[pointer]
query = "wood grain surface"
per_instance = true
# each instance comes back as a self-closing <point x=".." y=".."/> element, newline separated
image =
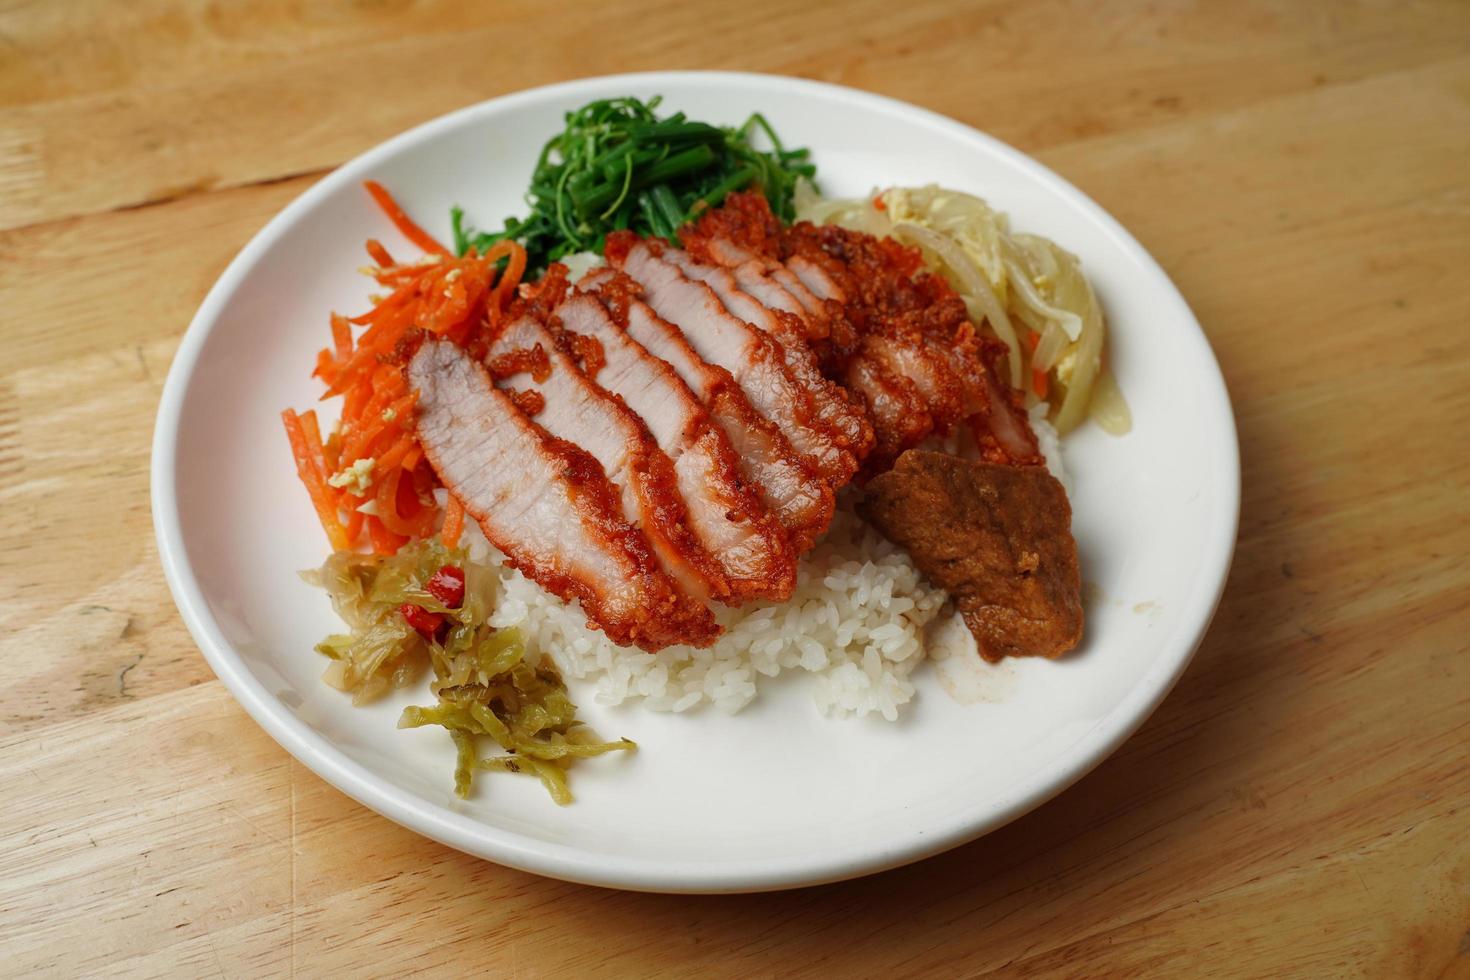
<point x="1298" y="806"/>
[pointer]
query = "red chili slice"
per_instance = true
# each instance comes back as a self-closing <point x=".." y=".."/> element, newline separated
<point x="447" y="585"/>
<point x="421" y="619"/>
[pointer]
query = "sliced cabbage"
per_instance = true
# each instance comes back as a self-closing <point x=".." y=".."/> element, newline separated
<point x="483" y="684"/>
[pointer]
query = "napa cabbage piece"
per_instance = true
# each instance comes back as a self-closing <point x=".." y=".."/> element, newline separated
<point x="1027" y="289"/>
<point x="485" y="687"/>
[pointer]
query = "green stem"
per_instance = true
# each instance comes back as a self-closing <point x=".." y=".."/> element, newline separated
<point x="716" y="195"/>
<point x="689" y="161"/>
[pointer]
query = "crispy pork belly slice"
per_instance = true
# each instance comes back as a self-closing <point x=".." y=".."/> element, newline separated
<point x="896" y="336"/>
<point x="1002" y="431"/>
<point x="901" y="417"/>
<point x="754" y="359"/>
<point x="747" y="293"/>
<point x="815" y="307"/>
<point x="751" y="278"/>
<point x="743" y="231"/>
<point x="725" y="512"/>
<point x="801" y="501"/>
<point x="763" y="304"/>
<point x="579" y="411"/>
<point x="723" y="251"/>
<point x="938" y="385"/>
<point x="545" y="503"/>
<point x="826" y="319"/>
<point x="816" y="278"/>
<point x="994" y="411"/>
<point x="928" y="369"/>
<point x="757" y="275"/>
<point x="751" y="268"/>
<point x="822" y="318"/>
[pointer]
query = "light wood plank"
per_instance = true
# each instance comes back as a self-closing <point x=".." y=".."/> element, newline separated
<point x="222" y="96"/>
<point x="1297" y="807"/>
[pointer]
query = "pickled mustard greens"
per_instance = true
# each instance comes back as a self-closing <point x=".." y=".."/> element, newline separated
<point x="1030" y="291"/>
<point x="618" y="165"/>
<point x="427" y="609"/>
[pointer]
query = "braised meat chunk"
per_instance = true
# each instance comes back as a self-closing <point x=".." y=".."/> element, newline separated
<point x="997" y="537"/>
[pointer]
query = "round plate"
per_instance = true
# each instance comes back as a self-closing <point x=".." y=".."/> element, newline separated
<point x="777" y="795"/>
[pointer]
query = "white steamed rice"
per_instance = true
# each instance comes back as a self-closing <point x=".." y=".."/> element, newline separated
<point x="856" y="623"/>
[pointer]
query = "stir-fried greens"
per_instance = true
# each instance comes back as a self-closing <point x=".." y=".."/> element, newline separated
<point x="428" y="607"/>
<point x="618" y="165"/>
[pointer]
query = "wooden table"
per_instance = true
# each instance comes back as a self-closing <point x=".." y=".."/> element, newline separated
<point x="1299" y="806"/>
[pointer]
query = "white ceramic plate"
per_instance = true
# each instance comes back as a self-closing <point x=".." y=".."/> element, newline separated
<point x="776" y="796"/>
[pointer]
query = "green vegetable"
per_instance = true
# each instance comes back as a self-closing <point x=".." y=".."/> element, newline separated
<point x="482" y="683"/>
<point x="618" y="165"/>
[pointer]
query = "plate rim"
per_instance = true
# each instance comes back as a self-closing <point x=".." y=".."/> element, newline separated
<point x="565" y="861"/>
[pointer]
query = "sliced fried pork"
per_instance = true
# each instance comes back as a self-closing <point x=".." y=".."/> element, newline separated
<point x="764" y="280"/>
<point x="725" y="512"/>
<point x="997" y="538"/>
<point x="815" y="278"/>
<point x="758" y="280"/>
<point x="901" y="417"/>
<point x="545" y="503"/>
<point x="921" y="395"/>
<point x="754" y="359"/>
<point x="718" y="250"/>
<point x="724" y="237"/>
<point x="744" y="233"/>
<point x="764" y="304"/>
<point x="817" y="311"/>
<point x="1001" y="430"/>
<point x="579" y="411"/>
<point x="748" y="279"/>
<point x="927" y="368"/>
<point x="801" y="501"/>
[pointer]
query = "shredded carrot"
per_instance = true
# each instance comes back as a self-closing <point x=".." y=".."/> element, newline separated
<point x="514" y="269"/>
<point x="379" y="254"/>
<point x="355" y="518"/>
<point x="316" y="485"/>
<point x="331" y="453"/>
<point x="385" y="542"/>
<point x="326" y="365"/>
<point x="395" y="456"/>
<point x="313" y="433"/>
<point x="405" y="224"/>
<point x="364" y="356"/>
<point x="1039" y="382"/>
<point x="377" y="420"/>
<point x="402" y="406"/>
<point x="389" y="377"/>
<point x="341" y="336"/>
<point x="372" y="424"/>
<point x="453" y="523"/>
<point x="392" y="314"/>
<point x="392" y="495"/>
